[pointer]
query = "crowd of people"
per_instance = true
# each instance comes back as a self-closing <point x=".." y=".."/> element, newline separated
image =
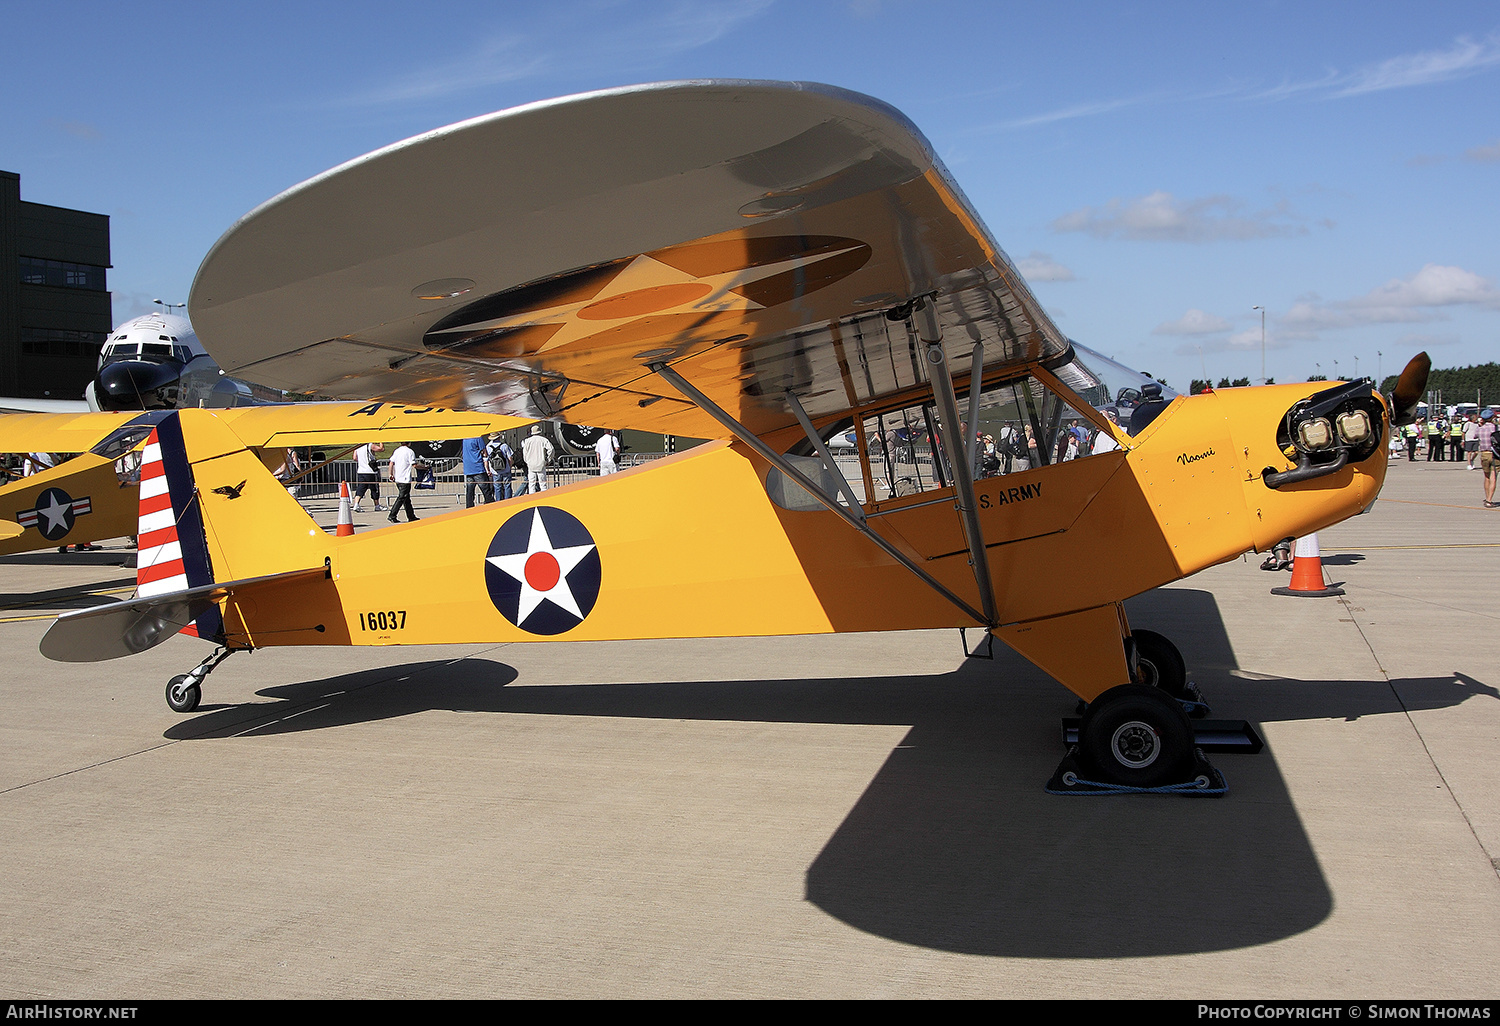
<point x="1017" y="447"/>
<point x="1469" y="437"/>
<point x="491" y="469"/>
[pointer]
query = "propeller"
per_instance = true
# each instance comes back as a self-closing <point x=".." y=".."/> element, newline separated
<point x="1410" y="388"/>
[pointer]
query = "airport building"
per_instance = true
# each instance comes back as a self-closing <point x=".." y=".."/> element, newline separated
<point x="54" y="303"/>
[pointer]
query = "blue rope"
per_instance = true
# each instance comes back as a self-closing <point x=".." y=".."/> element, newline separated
<point x="1188" y="787"/>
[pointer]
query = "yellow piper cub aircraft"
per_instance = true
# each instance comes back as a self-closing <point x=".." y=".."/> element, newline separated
<point x="95" y="495"/>
<point x="769" y="265"/>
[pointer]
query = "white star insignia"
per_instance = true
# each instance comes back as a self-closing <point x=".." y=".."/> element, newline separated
<point x="543" y="570"/>
<point x="56" y="514"/>
<point x="647" y="287"/>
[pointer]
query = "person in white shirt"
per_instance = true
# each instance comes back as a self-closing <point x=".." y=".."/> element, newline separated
<point x="538" y="453"/>
<point x="607" y="447"/>
<point x="366" y="476"/>
<point x="401" y="464"/>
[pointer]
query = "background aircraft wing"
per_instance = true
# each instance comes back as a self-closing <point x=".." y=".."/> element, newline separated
<point x="533" y="261"/>
<point x="14" y="404"/>
<point x="288" y="424"/>
<point x="59" y="432"/>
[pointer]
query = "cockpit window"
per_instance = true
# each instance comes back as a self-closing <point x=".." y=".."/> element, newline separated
<point x="1110" y="387"/>
<point x="155" y="349"/>
<point x="1024" y="425"/>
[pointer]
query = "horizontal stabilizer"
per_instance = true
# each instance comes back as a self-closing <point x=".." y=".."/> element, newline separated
<point x="135" y="625"/>
<point x="10" y="529"/>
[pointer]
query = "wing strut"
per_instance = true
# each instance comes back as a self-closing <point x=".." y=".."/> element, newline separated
<point x="960" y="456"/>
<point x="823" y="454"/>
<point x="853" y="519"/>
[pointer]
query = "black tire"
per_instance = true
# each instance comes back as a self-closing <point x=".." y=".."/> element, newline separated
<point x="183" y="699"/>
<point x="1160" y="663"/>
<point x="1137" y="736"/>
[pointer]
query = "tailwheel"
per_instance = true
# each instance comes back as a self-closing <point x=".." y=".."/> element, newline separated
<point x="185" y="690"/>
<point x="183" y="694"/>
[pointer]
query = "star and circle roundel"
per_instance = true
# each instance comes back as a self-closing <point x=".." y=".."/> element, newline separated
<point x="542" y="570"/>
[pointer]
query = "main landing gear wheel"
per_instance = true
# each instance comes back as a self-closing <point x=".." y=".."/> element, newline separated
<point x="183" y="696"/>
<point x="1160" y="665"/>
<point x="1137" y="736"/>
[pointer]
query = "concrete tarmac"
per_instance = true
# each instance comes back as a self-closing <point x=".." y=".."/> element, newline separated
<point x="854" y="816"/>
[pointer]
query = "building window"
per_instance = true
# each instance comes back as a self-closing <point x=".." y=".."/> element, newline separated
<point x="58" y="342"/>
<point x="36" y="271"/>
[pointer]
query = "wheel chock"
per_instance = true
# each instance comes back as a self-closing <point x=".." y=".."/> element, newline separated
<point x="1235" y="736"/>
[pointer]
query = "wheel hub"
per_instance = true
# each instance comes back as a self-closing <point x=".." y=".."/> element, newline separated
<point x="1135" y="744"/>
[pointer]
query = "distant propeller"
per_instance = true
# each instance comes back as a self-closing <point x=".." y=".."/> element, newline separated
<point x="1410" y="388"/>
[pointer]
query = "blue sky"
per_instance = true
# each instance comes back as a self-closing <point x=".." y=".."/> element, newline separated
<point x="1156" y="170"/>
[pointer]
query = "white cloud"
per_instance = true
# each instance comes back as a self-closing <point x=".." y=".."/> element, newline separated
<point x="1161" y="217"/>
<point x="1414" y="300"/>
<point x="1080" y="110"/>
<point x="80" y="130"/>
<point x="1247" y="341"/>
<point x="1041" y="267"/>
<point x="1194" y="322"/>
<point x="622" y="45"/>
<point x="1489" y="154"/>
<point x="1465" y="57"/>
<point x="1433" y="285"/>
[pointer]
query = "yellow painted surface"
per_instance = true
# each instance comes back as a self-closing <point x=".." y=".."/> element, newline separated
<point x="691" y="546"/>
<point x="113" y="505"/>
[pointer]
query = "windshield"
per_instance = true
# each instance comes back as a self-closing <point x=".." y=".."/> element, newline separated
<point x="1108" y="386"/>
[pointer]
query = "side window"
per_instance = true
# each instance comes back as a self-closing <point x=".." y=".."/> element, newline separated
<point x="904" y="452"/>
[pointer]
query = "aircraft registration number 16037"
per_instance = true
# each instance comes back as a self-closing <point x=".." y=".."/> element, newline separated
<point x="393" y="620"/>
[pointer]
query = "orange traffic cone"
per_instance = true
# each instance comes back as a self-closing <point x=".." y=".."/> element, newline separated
<point x="346" y="511"/>
<point x="1307" y="572"/>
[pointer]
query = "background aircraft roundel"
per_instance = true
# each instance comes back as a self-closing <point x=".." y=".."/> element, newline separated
<point x="650" y="296"/>
<point x="542" y="570"/>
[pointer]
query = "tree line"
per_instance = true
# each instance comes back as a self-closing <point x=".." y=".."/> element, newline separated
<point x="1480" y="383"/>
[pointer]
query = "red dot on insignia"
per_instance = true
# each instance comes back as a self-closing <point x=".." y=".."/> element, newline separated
<point x="542" y="571"/>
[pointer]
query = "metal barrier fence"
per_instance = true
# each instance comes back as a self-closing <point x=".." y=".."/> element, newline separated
<point x="322" y="482"/>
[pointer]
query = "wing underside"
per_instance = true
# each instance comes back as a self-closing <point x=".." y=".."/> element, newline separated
<point x="758" y="237"/>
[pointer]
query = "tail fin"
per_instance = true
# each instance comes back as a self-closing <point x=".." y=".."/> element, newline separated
<point x="172" y="548"/>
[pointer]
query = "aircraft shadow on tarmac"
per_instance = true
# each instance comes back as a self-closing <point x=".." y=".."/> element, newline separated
<point x="954" y="845"/>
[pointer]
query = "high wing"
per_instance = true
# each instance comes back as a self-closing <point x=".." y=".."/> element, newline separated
<point x="759" y="237"/>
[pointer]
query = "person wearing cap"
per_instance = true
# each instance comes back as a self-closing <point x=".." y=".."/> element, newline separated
<point x="1489" y="459"/>
<point x="537" y="452"/>
<point x="1435" y="439"/>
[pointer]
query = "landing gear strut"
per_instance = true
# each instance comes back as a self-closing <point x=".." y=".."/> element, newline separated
<point x="185" y="690"/>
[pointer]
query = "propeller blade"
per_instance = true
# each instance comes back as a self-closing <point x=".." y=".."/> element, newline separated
<point x="1410" y="388"/>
